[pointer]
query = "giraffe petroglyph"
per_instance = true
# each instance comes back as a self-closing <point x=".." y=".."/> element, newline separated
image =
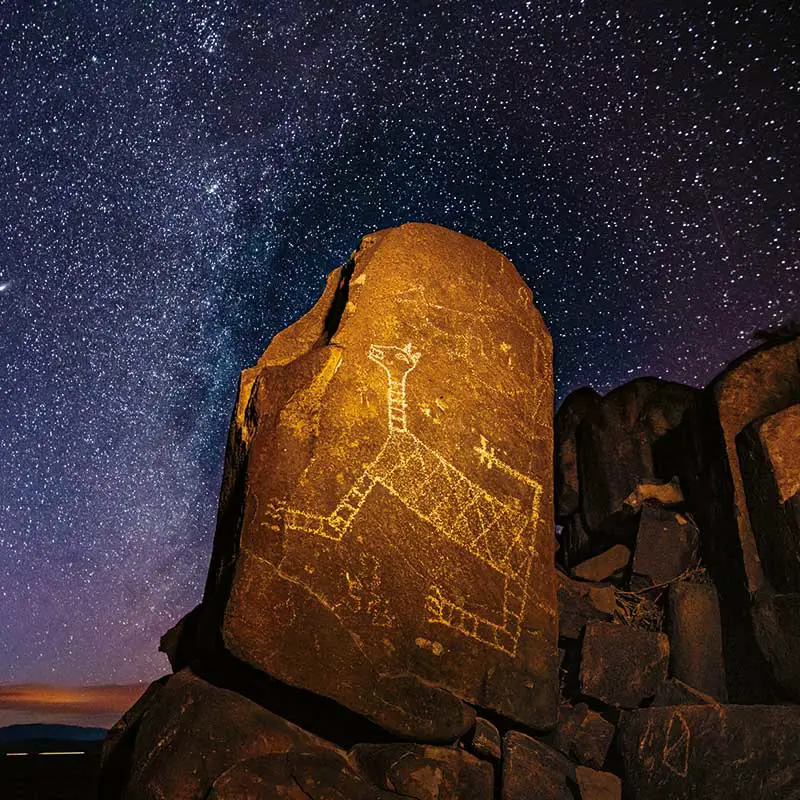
<point x="496" y="532"/>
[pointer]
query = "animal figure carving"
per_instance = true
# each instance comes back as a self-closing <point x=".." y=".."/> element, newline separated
<point x="494" y="531"/>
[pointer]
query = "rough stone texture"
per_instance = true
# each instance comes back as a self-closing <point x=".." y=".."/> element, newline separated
<point x="385" y="532"/>
<point x="485" y="740"/>
<point x="582" y="734"/>
<point x="667" y="544"/>
<point x="580" y="602"/>
<point x="594" y="785"/>
<point x="695" y="638"/>
<point x="674" y="692"/>
<point x="777" y="626"/>
<point x="605" y="566"/>
<point x="425" y="772"/>
<point x="184" y="733"/>
<point x="769" y="456"/>
<point x="615" y="445"/>
<point x="576" y="543"/>
<point x="620" y="665"/>
<point x="569" y="416"/>
<point x="711" y="752"/>
<point x="319" y="775"/>
<point x="532" y="769"/>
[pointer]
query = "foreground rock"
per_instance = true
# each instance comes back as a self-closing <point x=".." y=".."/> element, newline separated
<point x="582" y="734"/>
<point x="620" y="665"/>
<point x="530" y="766"/>
<point x="425" y="772"/>
<point x="184" y="733"/>
<point x="761" y="383"/>
<point x="391" y="546"/>
<point x="667" y="545"/>
<point x="711" y="752"/>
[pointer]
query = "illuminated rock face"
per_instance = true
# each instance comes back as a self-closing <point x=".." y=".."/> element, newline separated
<point x="386" y="534"/>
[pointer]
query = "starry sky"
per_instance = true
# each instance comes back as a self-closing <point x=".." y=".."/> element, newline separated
<point x="177" y="178"/>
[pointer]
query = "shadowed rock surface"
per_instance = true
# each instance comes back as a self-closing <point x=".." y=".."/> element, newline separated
<point x="711" y="752"/>
<point x="615" y="445"/>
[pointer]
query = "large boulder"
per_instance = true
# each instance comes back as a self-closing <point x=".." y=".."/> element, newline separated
<point x="183" y="733"/>
<point x="616" y="439"/>
<point x="713" y="752"/>
<point x="385" y="533"/>
<point x="769" y="456"/>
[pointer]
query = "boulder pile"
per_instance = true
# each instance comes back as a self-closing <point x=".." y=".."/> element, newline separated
<point x="423" y="586"/>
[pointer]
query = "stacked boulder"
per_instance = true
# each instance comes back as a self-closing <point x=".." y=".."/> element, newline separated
<point x="386" y="615"/>
<point x="679" y="524"/>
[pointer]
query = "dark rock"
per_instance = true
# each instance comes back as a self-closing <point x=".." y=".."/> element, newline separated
<point x="580" y="602"/>
<point x="119" y="744"/>
<point x="621" y="665"/>
<point x="761" y="383"/>
<point x="711" y="752"/>
<point x="695" y="638"/>
<point x="667" y="545"/>
<point x="674" y="692"/>
<point x="569" y="416"/>
<point x="777" y="626"/>
<point x="532" y="769"/>
<point x="180" y="643"/>
<point x="485" y="741"/>
<point x="425" y="772"/>
<point x="769" y="455"/>
<point x="615" y="446"/>
<point x="594" y="785"/>
<point x="610" y="564"/>
<point x="319" y="775"/>
<point x="393" y="544"/>
<point x="576" y="544"/>
<point x="582" y="734"/>
<point x="184" y="733"/>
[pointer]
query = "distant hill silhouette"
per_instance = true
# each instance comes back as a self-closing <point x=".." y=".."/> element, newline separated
<point x="41" y="731"/>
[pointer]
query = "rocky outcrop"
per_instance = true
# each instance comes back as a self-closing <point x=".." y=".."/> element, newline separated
<point x="384" y="616"/>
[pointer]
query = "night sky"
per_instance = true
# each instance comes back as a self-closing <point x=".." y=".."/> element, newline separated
<point x="176" y="179"/>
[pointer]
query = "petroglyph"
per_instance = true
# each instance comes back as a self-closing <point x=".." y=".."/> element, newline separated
<point x="676" y="745"/>
<point x="496" y="532"/>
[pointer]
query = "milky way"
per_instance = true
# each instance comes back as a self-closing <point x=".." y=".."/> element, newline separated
<point x="177" y="179"/>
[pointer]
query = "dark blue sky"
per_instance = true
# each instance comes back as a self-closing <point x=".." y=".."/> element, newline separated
<point x="178" y="177"/>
